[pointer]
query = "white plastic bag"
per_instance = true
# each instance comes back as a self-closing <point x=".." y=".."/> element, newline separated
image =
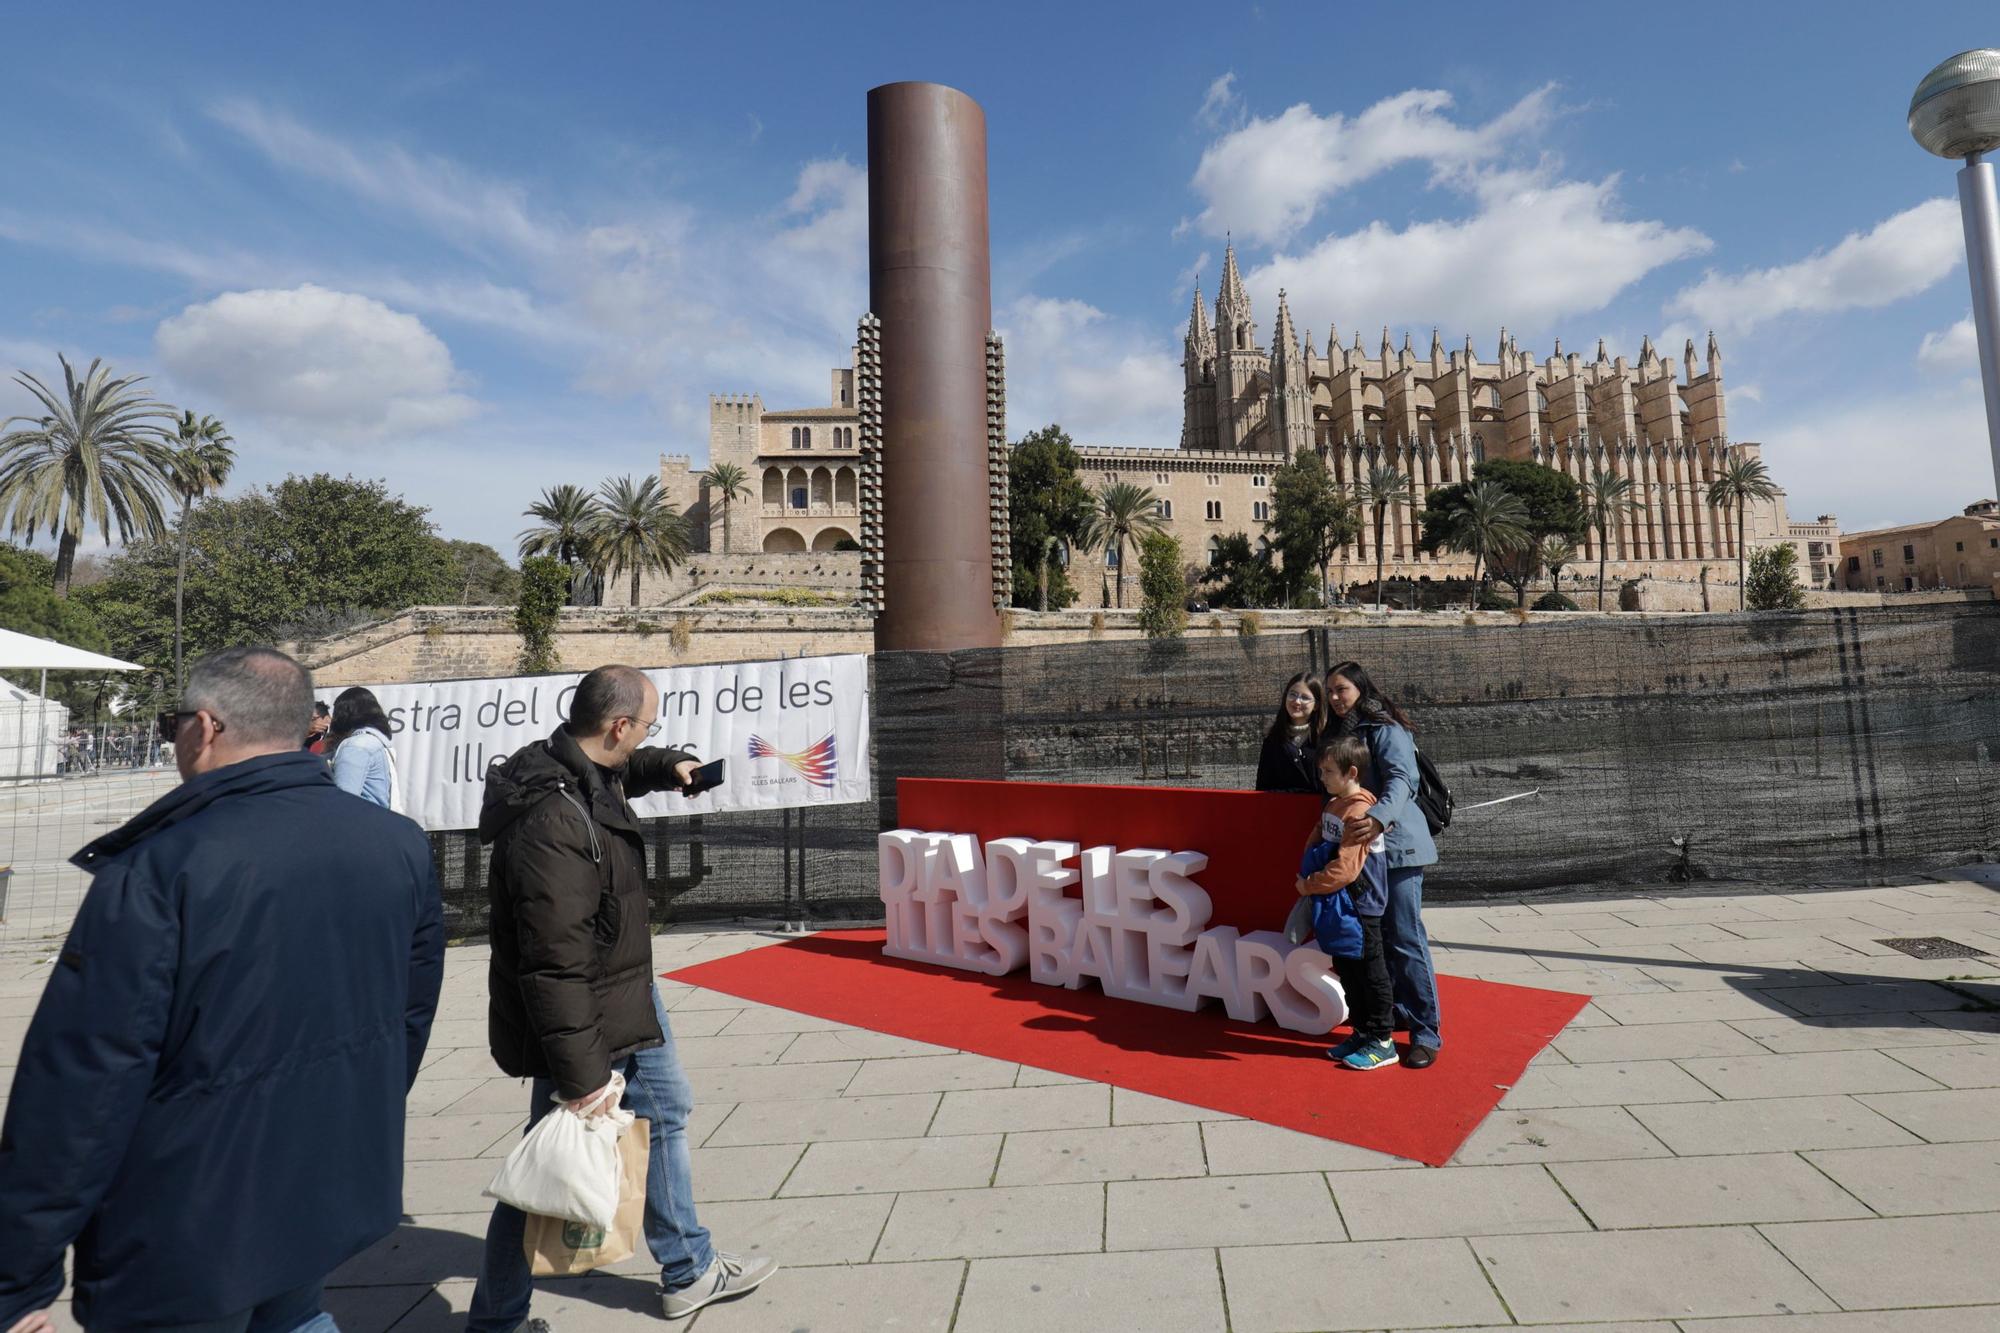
<point x="567" y="1165"/>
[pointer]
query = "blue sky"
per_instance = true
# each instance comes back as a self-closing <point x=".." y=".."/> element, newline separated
<point x="481" y="250"/>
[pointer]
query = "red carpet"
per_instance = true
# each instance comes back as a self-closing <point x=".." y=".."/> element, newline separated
<point x="1254" y="1070"/>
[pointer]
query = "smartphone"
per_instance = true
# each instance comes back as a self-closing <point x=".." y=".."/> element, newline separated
<point x="705" y="778"/>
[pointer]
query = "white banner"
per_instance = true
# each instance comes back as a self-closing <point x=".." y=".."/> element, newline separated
<point x="793" y="732"/>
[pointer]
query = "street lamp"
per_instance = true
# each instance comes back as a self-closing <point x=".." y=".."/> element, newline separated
<point x="1956" y="113"/>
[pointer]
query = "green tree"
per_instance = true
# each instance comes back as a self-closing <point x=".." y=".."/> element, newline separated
<point x="201" y="461"/>
<point x="1310" y="517"/>
<point x="563" y="517"/>
<point x="29" y="605"/>
<point x="1048" y="508"/>
<point x="1162" y="587"/>
<point x="730" y="482"/>
<point x="1607" y="502"/>
<point x="1240" y="576"/>
<point x="636" y="530"/>
<point x="1737" y="482"/>
<point x="97" y="456"/>
<point x="1549" y="505"/>
<point x="482" y="575"/>
<point x="1556" y="553"/>
<point x="1122" y="510"/>
<point x="1480" y="518"/>
<point x="544" y="588"/>
<point x="1773" y="580"/>
<point x="1383" y="489"/>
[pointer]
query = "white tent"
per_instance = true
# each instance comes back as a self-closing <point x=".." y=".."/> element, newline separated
<point x="32" y="725"/>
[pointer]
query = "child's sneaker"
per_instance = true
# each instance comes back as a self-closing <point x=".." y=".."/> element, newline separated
<point x="1347" y="1047"/>
<point x="1370" y="1055"/>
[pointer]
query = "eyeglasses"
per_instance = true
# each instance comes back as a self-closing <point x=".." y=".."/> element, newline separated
<point x="170" y="723"/>
<point x="1300" y="699"/>
<point x="652" y="728"/>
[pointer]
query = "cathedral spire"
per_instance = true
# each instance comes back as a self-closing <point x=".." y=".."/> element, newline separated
<point x="1232" y="293"/>
<point x="1232" y="308"/>
<point x="1284" y="338"/>
<point x="1198" y="318"/>
<point x="1714" y="356"/>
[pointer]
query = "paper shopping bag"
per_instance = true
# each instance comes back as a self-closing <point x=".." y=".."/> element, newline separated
<point x="558" y="1248"/>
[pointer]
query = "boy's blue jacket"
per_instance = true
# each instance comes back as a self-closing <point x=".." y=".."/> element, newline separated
<point x="1336" y="927"/>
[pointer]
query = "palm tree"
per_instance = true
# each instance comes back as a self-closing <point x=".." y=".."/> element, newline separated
<point x="732" y="483"/>
<point x="97" y="456"/>
<point x="1493" y="522"/>
<point x="1737" y="482"/>
<point x="1554" y="553"/>
<point x="1123" y="509"/>
<point x="1383" y="489"/>
<point x="201" y="462"/>
<point x="565" y="512"/>
<point x="1607" y="502"/>
<point x="635" y="530"/>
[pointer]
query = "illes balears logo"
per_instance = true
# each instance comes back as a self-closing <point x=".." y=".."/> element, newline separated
<point x="815" y="763"/>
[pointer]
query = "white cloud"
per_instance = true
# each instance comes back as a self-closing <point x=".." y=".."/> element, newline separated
<point x="1899" y="257"/>
<point x="1104" y="382"/>
<point x="1221" y="104"/>
<point x="1535" y="251"/>
<point x="324" y="362"/>
<point x="1952" y="351"/>
<point x="1267" y="178"/>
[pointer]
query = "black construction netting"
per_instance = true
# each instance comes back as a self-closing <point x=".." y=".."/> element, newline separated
<point x="1809" y="747"/>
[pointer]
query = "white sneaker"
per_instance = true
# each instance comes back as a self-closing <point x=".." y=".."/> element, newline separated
<point x="728" y="1276"/>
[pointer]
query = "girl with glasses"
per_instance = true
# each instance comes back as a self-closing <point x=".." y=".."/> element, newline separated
<point x="1287" y="763"/>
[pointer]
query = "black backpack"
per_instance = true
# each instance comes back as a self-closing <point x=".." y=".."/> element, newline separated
<point x="1433" y="797"/>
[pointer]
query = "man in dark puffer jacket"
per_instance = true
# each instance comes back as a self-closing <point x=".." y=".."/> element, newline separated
<point x="571" y="980"/>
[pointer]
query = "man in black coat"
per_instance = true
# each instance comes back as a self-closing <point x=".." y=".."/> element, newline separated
<point x="209" y="1104"/>
<point x="571" y="995"/>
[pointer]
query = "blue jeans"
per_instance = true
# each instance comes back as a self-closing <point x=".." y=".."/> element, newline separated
<point x="1409" y="954"/>
<point x="656" y="1089"/>
<point x="296" y="1311"/>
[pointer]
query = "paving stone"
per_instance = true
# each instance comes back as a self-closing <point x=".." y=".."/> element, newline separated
<point x="826" y="1118"/>
<point x="1729" y="976"/>
<point x="430" y="1096"/>
<point x="1704" y="1191"/>
<point x="978" y="1223"/>
<point x="426" y="1248"/>
<point x="1692" y="1006"/>
<point x="492" y="1096"/>
<point x="1611" y="938"/>
<point x="1005" y="1110"/>
<point x="1605" y="1083"/>
<point x="768" y="1083"/>
<point x="1961" y="1319"/>
<point x="1623" y="1326"/>
<point x="374" y="1309"/>
<point x="434" y="1137"/>
<point x="1141" y="1108"/>
<point x="709" y="1052"/>
<point x="1806" y="1074"/>
<point x="931" y="1073"/>
<point x="799" y="1231"/>
<point x="913" y="1298"/>
<point x="1030" y="1077"/>
<point x="1943" y="1117"/>
<point x="1585" y="920"/>
<point x="1872" y="996"/>
<point x="1898" y="1261"/>
<point x="886" y="1166"/>
<point x="853" y="1044"/>
<point x="1220" y="1210"/>
<point x="1398" y="1284"/>
<point x="1462" y="1201"/>
<point x="697" y="997"/>
<point x="1127" y="1152"/>
<point x="1560" y="1134"/>
<point x="1933" y="1178"/>
<point x="466" y="1062"/>
<point x="1961" y="1065"/>
<point x="449" y="1185"/>
<point x="1654" y="1041"/>
<point x="1668" y="1274"/>
<point x="743" y="1173"/>
<point x="1847" y="1032"/>
<point x="763" y="1018"/>
<point x="1250" y="1147"/>
<point x="698" y="1022"/>
<point x="1163" y="1292"/>
<point x="1776" y="1124"/>
<point x="594" y="1303"/>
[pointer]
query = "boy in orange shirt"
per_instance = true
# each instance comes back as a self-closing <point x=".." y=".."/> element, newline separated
<point x="1347" y="877"/>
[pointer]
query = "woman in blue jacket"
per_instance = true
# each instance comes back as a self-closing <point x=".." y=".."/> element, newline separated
<point x="362" y="761"/>
<point x="1358" y="707"/>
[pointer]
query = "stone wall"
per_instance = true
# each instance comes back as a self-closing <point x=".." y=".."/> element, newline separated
<point x="836" y="573"/>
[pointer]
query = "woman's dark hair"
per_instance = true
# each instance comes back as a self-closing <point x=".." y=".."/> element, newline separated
<point x="1316" y="724"/>
<point x="1373" y="705"/>
<point x="354" y="708"/>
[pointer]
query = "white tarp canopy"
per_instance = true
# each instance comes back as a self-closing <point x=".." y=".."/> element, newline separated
<point x="25" y="652"/>
<point x="31" y="733"/>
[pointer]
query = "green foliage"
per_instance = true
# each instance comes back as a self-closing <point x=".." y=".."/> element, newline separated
<point x="562" y="529"/>
<point x="544" y="586"/>
<point x="1554" y="601"/>
<point x="636" y="529"/>
<point x="1241" y="577"/>
<point x="482" y="575"/>
<point x="1490" y="600"/>
<point x="1311" y="518"/>
<point x="1123" y="511"/>
<point x="729" y="483"/>
<point x="1162" y="587"/>
<point x="1048" y="506"/>
<point x="29" y="605"/>
<point x="1773" y="581"/>
<point x="1481" y="518"/>
<point x="1738" y="481"/>
<point x="771" y="597"/>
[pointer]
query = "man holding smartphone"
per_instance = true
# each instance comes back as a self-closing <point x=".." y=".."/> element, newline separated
<point x="571" y="988"/>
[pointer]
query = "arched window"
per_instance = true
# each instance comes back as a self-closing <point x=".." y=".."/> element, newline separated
<point x="798" y="497"/>
<point x="805" y="437"/>
<point x="1163" y="508"/>
<point x="1215" y="550"/>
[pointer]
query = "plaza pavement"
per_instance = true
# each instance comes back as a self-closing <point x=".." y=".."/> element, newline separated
<point x="1764" y="1122"/>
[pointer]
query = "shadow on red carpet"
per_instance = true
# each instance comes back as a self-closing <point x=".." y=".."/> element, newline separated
<point x="1255" y="1070"/>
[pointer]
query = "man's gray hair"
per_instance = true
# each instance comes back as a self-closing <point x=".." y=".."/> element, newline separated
<point x="262" y="696"/>
<point x="604" y="696"/>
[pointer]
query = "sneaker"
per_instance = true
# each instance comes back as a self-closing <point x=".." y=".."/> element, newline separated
<point x="1345" y="1048"/>
<point x="728" y="1276"/>
<point x="1371" y="1055"/>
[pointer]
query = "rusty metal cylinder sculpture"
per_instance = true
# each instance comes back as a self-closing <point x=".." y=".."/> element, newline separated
<point x="930" y="284"/>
